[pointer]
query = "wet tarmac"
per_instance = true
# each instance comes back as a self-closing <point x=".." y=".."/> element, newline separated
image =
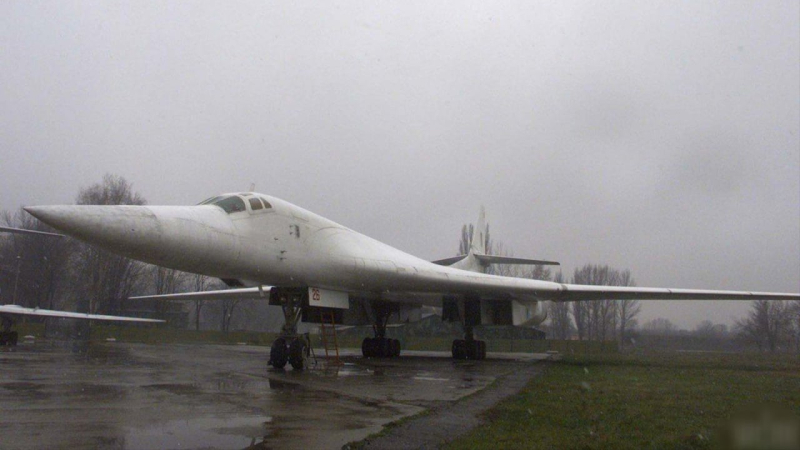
<point x="134" y="396"/>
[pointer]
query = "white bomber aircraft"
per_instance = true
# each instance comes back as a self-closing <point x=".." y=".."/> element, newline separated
<point x="268" y="248"/>
<point x="10" y="313"/>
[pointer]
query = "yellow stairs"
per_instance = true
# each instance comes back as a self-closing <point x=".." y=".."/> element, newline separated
<point x="327" y="331"/>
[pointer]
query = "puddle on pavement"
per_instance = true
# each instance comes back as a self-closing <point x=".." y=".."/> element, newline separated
<point x="209" y="397"/>
<point x="174" y="388"/>
<point x="205" y="432"/>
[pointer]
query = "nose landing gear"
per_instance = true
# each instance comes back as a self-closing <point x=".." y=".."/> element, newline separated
<point x="290" y="347"/>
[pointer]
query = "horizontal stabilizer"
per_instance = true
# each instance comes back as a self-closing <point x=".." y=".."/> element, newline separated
<point x="224" y="294"/>
<point x="449" y="261"/>
<point x="485" y="260"/>
<point x="494" y="259"/>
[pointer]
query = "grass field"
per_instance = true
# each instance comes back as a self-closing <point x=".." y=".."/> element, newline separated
<point x="658" y="401"/>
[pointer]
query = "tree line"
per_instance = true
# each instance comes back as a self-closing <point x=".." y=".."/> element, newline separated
<point x="770" y="325"/>
<point x="596" y="320"/>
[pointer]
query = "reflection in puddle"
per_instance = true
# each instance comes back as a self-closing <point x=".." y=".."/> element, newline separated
<point x="348" y="370"/>
<point x="280" y="385"/>
<point x="206" y="432"/>
<point x="430" y="379"/>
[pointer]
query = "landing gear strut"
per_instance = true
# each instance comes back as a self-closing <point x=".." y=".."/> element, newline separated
<point x="290" y="347"/>
<point x="380" y="346"/>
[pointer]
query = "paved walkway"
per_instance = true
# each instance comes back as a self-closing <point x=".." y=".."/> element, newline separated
<point x="450" y="420"/>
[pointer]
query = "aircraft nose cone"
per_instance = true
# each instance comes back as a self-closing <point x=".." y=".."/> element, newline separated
<point x="116" y="228"/>
<point x="56" y="216"/>
<point x="181" y="237"/>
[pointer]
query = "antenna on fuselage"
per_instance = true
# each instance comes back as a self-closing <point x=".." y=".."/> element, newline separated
<point x="252" y="187"/>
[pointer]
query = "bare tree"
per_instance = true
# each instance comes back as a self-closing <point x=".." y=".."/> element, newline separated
<point x="199" y="283"/>
<point x="603" y="319"/>
<point x="559" y="315"/>
<point x="39" y="265"/>
<point x="767" y="325"/>
<point x="599" y="314"/>
<point x="467" y="230"/>
<point x="166" y="281"/>
<point x="580" y="315"/>
<point x="627" y="310"/>
<point x="228" y="306"/>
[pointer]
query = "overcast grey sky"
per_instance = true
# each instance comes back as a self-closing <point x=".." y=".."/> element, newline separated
<point x="662" y="137"/>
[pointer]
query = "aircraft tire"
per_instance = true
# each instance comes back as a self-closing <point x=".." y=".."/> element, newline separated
<point x="385" y="348"/>
<point x="8" y="338"/>
<point x="366" y="348"/>
<point x="475" y="350"/>
<point x="278" y="354"/>
<point x="472" y="350"/>
<point x="459" y="349"/>
<point x="298" y="354"/>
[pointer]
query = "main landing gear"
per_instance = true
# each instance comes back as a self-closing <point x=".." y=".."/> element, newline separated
<point x="469" y="347"/>
<point x="468" y="312"/>
<point x="290" y="347"/>
<point x="380" y="346"/>
<point x="8" y="337"/>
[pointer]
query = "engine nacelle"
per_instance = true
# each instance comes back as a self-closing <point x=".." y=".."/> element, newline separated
<point x="530" y="314"/>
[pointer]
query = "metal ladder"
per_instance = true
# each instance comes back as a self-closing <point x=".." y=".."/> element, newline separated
<point x="327" y="330"/>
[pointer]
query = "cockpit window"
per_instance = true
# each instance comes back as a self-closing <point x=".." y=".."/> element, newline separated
<point x="255" y="203"/>
<point x="266" y="204"/>
<point x="230" y="204"/>
<point x="208" y="200"/>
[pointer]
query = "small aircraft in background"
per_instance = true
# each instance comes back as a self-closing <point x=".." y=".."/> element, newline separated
<point x="312" y="267"/>
<point x="9" y="314"/>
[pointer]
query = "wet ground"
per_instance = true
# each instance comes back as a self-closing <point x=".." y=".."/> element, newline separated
<point x="133" y="396"/>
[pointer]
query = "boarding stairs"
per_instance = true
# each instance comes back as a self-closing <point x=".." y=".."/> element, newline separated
<point x="327" y="331"/>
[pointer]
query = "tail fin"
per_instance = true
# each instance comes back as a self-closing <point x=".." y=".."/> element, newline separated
<point x="476" y="259"/>
<point x="477" y="246"/>
<point x="479" y="235"/>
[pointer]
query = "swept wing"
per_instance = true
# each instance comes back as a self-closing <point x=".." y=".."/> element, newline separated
<point x="223" y="294"/>
<point x="16" y="310"/>
<point x="29" y="232"/>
